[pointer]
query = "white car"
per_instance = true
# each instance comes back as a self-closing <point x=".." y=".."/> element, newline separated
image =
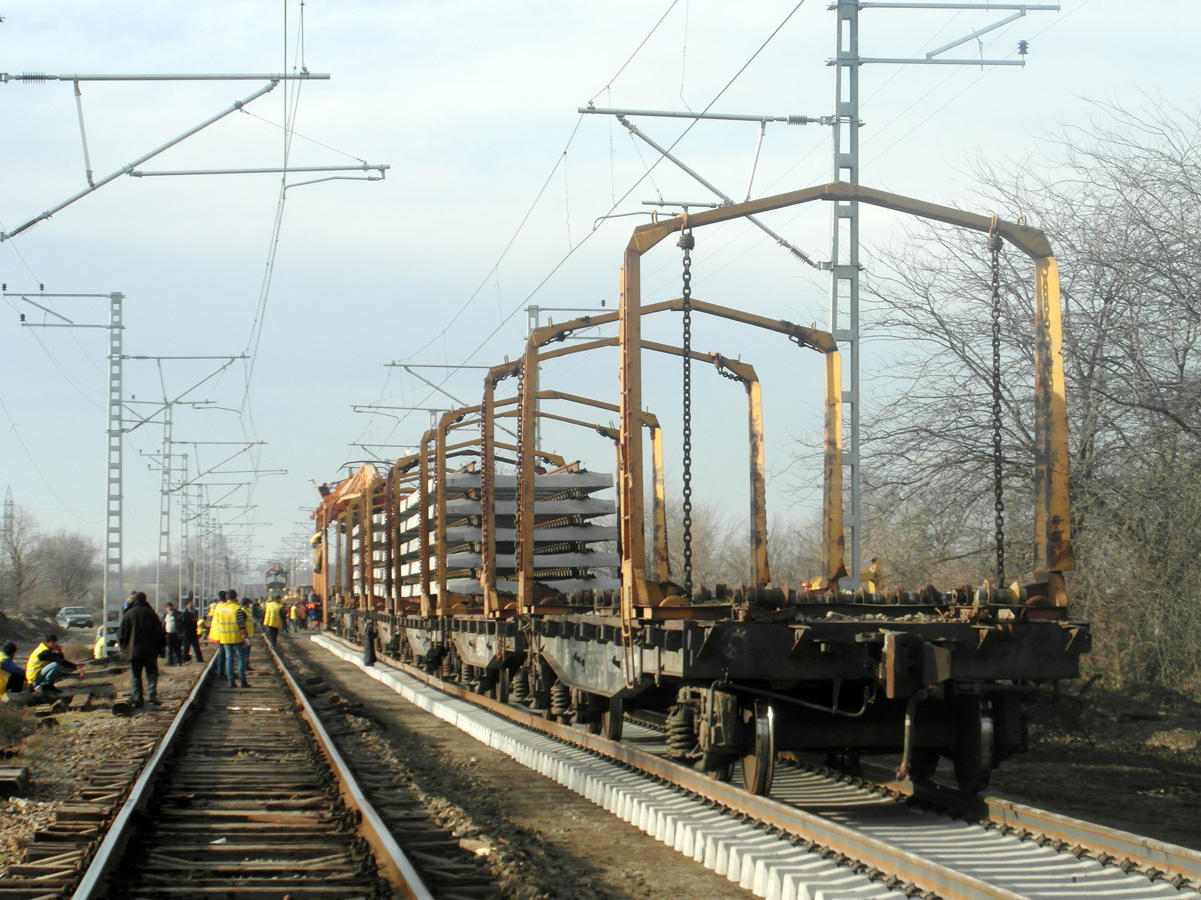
<point x="74" y="617"/>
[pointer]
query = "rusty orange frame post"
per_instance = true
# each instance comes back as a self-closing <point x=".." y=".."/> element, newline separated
<point x="631" y="521"/>
<point x="1052" y="539"/>
<point x="457" y="418"/>
<point x="451" y="419"/>
<point x="742" y="372"/>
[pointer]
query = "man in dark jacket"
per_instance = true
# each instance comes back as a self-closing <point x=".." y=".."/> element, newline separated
<point x="142" y="639"/>
<point x="191" y="641"/>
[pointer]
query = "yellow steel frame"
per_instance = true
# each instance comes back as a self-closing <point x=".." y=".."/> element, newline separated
<point x="1052" y="540"/>
<point x="744" y="372"/>
<point x="457" y="418"/>
<point x="633" y="547"/>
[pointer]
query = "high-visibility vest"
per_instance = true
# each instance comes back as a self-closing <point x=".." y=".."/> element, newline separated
<point x="249" y="621"/>
<point x="34" y="666"/>
<point x="273" y="614"/>
<point x="293" y="611"/>
<point x="225" y="624"/>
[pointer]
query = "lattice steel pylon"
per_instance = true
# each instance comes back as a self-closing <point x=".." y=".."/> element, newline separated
<point x="116" y="495"/>
<point x="164" y="509"/>
<point x="844" y="254"/>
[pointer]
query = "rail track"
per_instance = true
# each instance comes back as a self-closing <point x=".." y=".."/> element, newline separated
<point x="245" y="797"/>
<point x="245" y="793"/>
<point x="786" y="844"/>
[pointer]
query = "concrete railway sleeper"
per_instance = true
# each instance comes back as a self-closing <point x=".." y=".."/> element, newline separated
<point x="771" y="844"/>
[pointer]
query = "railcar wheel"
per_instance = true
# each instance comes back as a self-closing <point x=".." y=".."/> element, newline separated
<point x="973" y="757"/>
<point x="611" y="719"/>
<point x="759" y="761"/>
<point x="500" y="688"/>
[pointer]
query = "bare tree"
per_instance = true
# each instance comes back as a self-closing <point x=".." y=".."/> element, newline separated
<point x="18" y="558"/>
<point x="720" y="545"/>
<point x="68" y="563"/>
<point x="1120" y="199"/>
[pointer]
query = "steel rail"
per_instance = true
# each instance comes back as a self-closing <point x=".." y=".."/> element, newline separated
<point x="394" y="866"/>
<point x="392" y="860"/>
<point x="925" y="874"/>
<point x="109" y="851"/>
<point x="1152" y="857"/>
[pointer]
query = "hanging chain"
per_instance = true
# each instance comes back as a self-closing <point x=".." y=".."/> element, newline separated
<point x="517" y="517"/>
<point x="994" y="246"/>
<point x="687" y="242"/>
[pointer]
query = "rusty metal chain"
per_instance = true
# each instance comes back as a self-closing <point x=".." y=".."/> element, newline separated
<point x="517" y="516"/>
<point x="687" y="242"/>
<point x="994" y="246"/>
<point x="726" y="373"/>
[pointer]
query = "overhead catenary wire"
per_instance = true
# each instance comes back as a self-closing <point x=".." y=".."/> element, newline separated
<point x="636" y="50"/>
<point x="559" y="160"/>
<point x="559" y="264"/>
<point x="41" y="475"/>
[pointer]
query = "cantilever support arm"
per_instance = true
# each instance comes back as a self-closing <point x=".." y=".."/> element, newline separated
<point x="124" y="170"/>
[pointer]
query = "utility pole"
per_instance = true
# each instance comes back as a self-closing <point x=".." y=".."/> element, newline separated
<point x="114" y="432"/>
<point x="844" y="247"/>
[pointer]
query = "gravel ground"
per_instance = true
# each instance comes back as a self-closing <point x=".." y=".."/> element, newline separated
<point x="1129" y="759"/>
<point x="59" y="756"/>
<point x="541" y="840"/>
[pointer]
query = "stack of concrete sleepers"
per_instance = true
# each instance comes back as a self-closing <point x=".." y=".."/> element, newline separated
<point x="574" y="545"/>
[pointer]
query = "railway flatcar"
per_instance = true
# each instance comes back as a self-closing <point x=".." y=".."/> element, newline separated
<point x="519" y="585"/>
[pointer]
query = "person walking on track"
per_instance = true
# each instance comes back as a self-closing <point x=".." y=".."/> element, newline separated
<point x="190" y="632"/>
<point x="229" y="629"/>
<point x="142" y="639"/>
<point x="273" y="619"/>
<point x="249" y="623"/>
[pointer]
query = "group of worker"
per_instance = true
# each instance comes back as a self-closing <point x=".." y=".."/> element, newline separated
<point x="45" y="666"/>
<point x="143" y="637"/>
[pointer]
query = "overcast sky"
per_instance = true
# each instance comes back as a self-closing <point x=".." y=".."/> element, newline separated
<point x="493" y="201"/>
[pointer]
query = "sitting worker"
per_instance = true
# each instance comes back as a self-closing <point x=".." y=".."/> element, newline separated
<point x="12" y="676"/>
<point x="47" y="665"/>
<point x="99" y="651"/>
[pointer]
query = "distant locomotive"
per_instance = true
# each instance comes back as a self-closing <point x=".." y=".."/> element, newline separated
<point x="511" y="583"/>
<point x="276" y="580"/>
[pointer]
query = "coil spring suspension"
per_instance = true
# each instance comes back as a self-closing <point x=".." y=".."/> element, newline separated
<point x="560" y="699"/>
<point x="449" y="669"/>
<point x="681" y="730"/>
<point x="519" y="690"/>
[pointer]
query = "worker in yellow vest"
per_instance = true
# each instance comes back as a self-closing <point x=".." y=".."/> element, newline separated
<point x="208" y="626"/>
<point x="273" y="619"/>
<point x="229" y="630"/>
<point x="12" y="676"/>
<point x="46" y="665"/>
